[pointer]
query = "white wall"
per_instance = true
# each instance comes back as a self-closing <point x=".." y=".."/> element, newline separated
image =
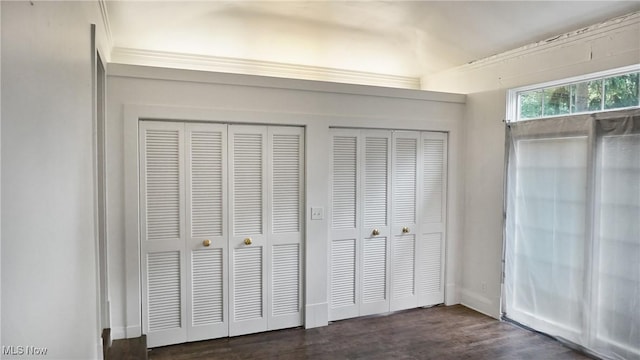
<point x="604" y="46"/>
<point x="48" y="246"/>
<point x="143" y="92"/>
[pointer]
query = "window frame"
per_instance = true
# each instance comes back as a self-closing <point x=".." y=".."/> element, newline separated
<point x="512" y="110"/>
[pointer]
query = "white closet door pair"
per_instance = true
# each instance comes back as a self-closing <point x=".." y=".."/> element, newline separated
<point x="200" y="280"/>
<point x="266" y="202"/>
<point x="387" y="221"/>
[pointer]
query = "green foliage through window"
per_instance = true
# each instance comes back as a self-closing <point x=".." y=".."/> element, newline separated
<point x="610" y="93"/>
<point x="621" y="91"/>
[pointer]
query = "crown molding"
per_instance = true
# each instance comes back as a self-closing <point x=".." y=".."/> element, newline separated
<point x="256" y="67"/>
<point x="102" y="4"/>
<point x="563" y="40"/>
<point x="209" y="77"/>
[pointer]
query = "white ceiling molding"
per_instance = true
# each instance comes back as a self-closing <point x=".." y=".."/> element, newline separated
<point x="105" y="19"/>
<point x="209" y="77"/>
<point x="589" y="32"/>
<point x="255" y="67"/>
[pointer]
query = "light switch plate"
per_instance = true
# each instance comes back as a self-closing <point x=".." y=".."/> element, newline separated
<point x="317" y="213"/>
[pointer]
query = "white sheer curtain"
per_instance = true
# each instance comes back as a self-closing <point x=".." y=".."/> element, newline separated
<point x="572" y="246"/>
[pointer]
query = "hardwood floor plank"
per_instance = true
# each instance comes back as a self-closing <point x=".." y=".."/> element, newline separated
<point x="442" y="333"/>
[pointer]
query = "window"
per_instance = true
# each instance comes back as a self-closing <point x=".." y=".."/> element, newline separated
<point x="572" y="245"/>
<point x="611" y="90"/>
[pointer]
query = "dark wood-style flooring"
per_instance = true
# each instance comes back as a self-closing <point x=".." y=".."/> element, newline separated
<point x="453" y="332"/>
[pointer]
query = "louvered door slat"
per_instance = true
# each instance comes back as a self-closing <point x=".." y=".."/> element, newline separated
<point x="376" y="174"/>
<point x="403" y="267"/>
<point x="433" y="180"/>
<point x="248" y="183"/>
<point x="206" y="183"/>
<point x="430" y="276"/>
<point x="374" y="283"/>
<point x="208" y="296"/>
<point x="286" y="183"/>
<point x="248" y="284"/>
<point x="404" y="187"/>
<point x="344" y="183"/>
<point x="163" y="269"/>
<point x="285" y="280"/>
<point x="343" y="268"/>
<point x="162" y="175"/>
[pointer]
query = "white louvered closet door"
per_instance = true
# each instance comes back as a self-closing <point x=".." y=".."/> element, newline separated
<point x="432" y="211"/>
<point x="344" y="269"/>
<point x="162" y="232"/>
<point x="285" y="163"/>
<point x="248" y="220"/>
<point x="404" y="232"/>
<point x="375" y="147"/>
<point x="206" y="238"/>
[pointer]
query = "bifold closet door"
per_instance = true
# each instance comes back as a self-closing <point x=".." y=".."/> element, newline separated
<point x="360" y="223"/>
<point x="285" y="180"/>
<point x="387" y="221"/>
<point x="221" y="229"/>
<point x="404" y="232"/>
<point x="247" y="238"/>
<point x="432" y="209"/>
<point x="206" y="238"/>
<point x="375" y="147"/>
<point x="266" y="173"/>
<point x="183" y="230"/>
<point x="419" y="209"/>
<point x="162" y="232"/>
<point x="344" y="270"/>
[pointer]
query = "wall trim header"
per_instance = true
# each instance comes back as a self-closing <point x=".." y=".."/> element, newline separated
<point x="257" y="67"/>
<point x="172" y="74"/>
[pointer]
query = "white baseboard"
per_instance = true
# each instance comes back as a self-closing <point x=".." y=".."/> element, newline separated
<point x="451" y="295"/>
<point x="133" y="331"/>
<point x="100" y="350"/>
<point x="118" y="332"/>
<point x="479" y="303"/>
<point x="316" y="315"/>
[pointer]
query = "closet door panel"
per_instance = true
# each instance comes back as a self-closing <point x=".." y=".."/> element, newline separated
<point x="405" y="217"/>
<point x="343" y="301"/>
<point x="162" y="232"/>
<point x="374" y="233"/>
<point x="403" y="282"/>
<point x="432" y="210"/>
<point x="285" y="162"/>
<point x="344" y="271"/>
<point x="207" y="287"/>
<point x="247" y="238"/>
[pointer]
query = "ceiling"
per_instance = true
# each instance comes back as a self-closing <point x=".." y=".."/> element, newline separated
<point x="401" y="38"/>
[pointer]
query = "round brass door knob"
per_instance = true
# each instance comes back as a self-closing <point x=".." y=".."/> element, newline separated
<point x="375" y="232"/>
<point x="405" y="230"/>
<point x="206" y="242"/>
<point x="247" y="241"/>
